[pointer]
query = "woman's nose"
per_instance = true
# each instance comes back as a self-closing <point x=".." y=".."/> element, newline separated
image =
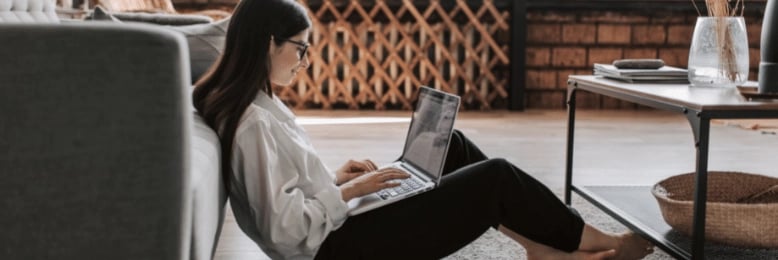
<point x="305" y="62"/>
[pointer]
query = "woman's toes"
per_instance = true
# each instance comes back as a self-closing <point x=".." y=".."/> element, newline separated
<point x="633" y="247"/>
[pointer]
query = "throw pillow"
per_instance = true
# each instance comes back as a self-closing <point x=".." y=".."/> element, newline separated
<point x="206" y="41"/>
<point x="164" y="19"/>
<point x="100" y="14"/>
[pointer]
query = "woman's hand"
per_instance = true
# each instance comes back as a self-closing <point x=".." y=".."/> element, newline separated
<point x="353" y="169"/>
<point x="371" y="182"/>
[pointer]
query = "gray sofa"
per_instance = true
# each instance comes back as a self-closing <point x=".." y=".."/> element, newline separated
<point x="101" y="154"/>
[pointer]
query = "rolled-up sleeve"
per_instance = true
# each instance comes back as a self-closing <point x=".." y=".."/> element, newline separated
<point x="293" y="202"/>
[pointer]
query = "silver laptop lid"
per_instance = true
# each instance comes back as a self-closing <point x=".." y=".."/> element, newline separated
<point x="430" y="131"/>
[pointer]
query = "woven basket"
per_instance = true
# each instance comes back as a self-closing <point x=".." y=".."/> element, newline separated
<point x="742" y="209"/>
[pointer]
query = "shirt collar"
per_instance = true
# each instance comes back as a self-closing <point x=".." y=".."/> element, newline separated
<point x="274" y="106"/>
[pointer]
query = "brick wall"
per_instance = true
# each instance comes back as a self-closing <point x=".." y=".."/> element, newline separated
<point x="561" y="43"/>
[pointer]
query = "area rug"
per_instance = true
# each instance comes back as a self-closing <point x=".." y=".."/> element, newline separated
<point x="495" y="245"/>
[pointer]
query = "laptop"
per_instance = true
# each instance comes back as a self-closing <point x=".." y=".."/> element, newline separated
<point x="424" y="154"/>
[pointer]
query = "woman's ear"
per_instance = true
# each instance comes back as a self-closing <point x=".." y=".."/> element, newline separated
<point x="272" y="44"/>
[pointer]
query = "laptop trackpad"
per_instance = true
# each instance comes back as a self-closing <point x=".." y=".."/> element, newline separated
<point x="364" y="203"/>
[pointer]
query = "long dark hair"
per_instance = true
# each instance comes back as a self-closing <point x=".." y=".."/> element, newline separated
<point x="231" y="84"/>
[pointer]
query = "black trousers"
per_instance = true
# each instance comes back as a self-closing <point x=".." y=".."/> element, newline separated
<point x="475" y="193"/>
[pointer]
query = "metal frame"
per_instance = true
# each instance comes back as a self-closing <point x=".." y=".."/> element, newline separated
<point x="700" y="124"/>
<point x="518" y="55"/>
<point x="626" y="219"/>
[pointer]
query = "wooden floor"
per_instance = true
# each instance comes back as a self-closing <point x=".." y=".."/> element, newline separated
<point x="612" y="147"/>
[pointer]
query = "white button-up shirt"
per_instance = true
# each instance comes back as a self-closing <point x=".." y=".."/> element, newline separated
<point x="282" y="194"/>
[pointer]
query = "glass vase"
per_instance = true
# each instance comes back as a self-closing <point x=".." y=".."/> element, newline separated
<point x="718" y="56"/>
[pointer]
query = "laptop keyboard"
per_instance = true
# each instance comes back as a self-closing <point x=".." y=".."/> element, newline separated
<point x="406" y="185"/>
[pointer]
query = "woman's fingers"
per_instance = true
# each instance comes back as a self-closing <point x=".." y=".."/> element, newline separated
<point x="398" y="175"/>
<point x="385" y="185"/>
<point x="379" y="180"/>
<point x="391" y="174"/>
<point x="370" y="165"/>
<point x="363" y="166"/>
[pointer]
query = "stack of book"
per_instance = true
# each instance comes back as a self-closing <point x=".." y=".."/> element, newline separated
<point x="663" y="75"/>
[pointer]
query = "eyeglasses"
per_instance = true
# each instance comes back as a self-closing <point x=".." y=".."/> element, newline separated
<point x="300" y="52"/>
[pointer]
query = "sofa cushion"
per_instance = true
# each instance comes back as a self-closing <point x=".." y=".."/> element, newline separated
<point x="100" y="14"/>
<point x="206" y="41"/>
<point x="208" y="192"/>
<point x="164" y="19"/>
<point x="28" y="11"/>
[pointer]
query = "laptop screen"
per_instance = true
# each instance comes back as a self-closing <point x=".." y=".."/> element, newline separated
<point x="430" y="130"/>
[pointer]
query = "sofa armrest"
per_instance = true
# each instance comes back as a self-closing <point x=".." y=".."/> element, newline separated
<point x="209" y="195"/>
<point x="95" y="133"/>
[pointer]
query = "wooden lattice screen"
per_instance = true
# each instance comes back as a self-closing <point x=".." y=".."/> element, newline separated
<point x="374" y="55"/>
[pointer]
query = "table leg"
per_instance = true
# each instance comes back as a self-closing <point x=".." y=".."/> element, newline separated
<point x="571" y="88"/>
<point x="701" y="129"/>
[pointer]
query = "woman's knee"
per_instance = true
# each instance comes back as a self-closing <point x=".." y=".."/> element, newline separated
<point x="499" y="165"/>
<point x="457" y="137"/>
<point x="505" y="169"/>
<point x="458" y="133"/>
<point x="488" y="171"/>
<point x="499" y="162"/>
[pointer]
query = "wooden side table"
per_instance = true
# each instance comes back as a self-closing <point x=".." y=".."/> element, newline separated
<point x="634" y="206"/>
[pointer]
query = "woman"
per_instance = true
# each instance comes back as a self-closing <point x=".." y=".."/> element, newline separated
<point x="292" y="206"/>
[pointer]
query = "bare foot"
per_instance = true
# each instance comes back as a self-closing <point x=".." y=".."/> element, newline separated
<point x="577" y="255"/>
<point x="632" y="246"/>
